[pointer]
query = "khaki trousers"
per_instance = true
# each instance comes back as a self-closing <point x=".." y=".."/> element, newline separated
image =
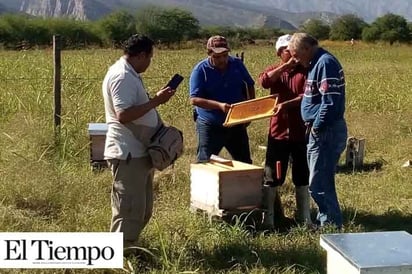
<point x="131" y="197"/>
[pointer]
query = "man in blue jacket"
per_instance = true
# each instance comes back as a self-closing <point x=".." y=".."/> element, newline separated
<point x="322" y="109"/>
<point x="217" y="82"/>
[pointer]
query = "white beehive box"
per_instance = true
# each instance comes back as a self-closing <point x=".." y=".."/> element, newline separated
<point x="380" y="252"/>
<point x="97" y="134"/>
<point x="217" y="187"/>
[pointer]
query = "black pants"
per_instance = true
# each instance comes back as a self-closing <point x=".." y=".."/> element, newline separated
<point x="283" y="151"/>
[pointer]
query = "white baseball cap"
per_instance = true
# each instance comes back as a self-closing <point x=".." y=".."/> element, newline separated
<point x="283" y="41"/>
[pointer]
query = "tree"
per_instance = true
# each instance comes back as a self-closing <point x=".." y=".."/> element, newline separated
<point x="317" y="28"/>
<point x="225" y="31"/>
<point x="410" y="28"/>
<point x="389" y="28"/>
<point x="117" y="27"/>
<point x="13" y="29"/>
<point x="74" y="33"/>
<point x="347" y="27"/>
<point x="5" y="31"/>
<point x="167" y="25"/>
<point x="370" y="34"/>
<point x="22" y="32"/>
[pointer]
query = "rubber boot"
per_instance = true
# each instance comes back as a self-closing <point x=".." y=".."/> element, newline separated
<point x="303" y="205"/>
<point x="268" y="203"/>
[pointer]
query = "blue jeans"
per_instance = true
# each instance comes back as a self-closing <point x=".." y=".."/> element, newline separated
<point x="212" y="138"/>
<point x="323" y="153"/>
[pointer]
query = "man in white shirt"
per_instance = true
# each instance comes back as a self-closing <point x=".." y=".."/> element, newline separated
<point x="126" y="101"/>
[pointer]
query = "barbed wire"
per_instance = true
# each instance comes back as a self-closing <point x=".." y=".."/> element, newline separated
<point x="72" y="78"/>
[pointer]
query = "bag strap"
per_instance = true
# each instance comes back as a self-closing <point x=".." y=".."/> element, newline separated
<point x="145" y="133"/>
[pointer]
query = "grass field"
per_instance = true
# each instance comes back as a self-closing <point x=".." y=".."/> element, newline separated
<point x="49" y="187"/>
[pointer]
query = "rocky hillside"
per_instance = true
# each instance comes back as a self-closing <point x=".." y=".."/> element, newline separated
<point x="366" y="9"/>
<point x="286" y="14"/>
<point x="78" y="9"/>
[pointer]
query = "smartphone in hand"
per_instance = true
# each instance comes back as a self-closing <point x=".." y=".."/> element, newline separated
<point x="175" y="81"/>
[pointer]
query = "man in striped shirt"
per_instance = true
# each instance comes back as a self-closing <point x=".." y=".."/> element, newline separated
<point x="322" y="109"/>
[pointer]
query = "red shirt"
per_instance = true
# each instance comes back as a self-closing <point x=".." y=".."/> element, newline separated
<point x="288" y="124"/>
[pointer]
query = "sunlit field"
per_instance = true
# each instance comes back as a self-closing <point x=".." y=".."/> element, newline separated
<point x="46" y="184"/>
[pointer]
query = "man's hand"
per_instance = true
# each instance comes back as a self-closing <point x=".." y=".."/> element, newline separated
<point x="314" y="131"/>
<point x="292" y="63"/>
<point x="224" y="107"/>
<point x="163" y="95"/>
<point x="278" y="108"/>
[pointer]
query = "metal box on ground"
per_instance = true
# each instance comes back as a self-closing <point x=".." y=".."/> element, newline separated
<point x="218" y="188"/>
<point x="97" y="134"/>
<point x="355" y="152"/>
<point x="370" y="252"/>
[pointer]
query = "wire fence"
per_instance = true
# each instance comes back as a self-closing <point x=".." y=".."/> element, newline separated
<point x="4" y="79"/>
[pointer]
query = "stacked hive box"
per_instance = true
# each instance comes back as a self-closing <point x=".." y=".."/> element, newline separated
<point x="217" y="188"/>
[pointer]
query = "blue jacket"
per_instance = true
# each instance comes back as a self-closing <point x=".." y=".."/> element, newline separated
<point x="323" y="102"/>
<point x="209" y="83"/>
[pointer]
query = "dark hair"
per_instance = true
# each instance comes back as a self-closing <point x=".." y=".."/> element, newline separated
<point x="138" y="43"/>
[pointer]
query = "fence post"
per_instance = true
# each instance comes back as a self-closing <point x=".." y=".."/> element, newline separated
<point x="57" y="82"/>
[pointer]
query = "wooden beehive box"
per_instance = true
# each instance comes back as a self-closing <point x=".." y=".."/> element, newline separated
<point x="217" y="188"/>
<point x="97" y="134"/>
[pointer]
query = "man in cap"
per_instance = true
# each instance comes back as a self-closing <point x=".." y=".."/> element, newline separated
<point x="322" y="109"/>
<point x="215" y="83"/>
<point x="286" y="138"/>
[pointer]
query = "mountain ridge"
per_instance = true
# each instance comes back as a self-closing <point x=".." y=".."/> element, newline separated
<point x="243" y="13"/>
